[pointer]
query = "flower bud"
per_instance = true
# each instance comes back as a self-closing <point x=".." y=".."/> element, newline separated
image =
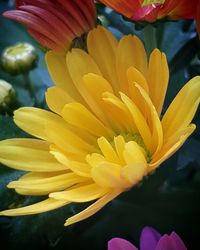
<point x="7" y="94"/>
<point x="19" y="58"/>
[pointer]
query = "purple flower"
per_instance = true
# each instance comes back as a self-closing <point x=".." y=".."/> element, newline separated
<point x="150" y="239"/>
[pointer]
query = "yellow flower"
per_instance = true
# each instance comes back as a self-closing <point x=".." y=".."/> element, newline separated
<point x="105" y="132"/>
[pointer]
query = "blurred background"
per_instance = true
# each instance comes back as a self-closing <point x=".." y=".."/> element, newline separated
<point x="168" y="200"/>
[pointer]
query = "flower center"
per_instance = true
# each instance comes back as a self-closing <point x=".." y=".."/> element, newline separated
<point x="138" y="139"/>
<point x="121" y="162"/>
<point x="148" y="2"/>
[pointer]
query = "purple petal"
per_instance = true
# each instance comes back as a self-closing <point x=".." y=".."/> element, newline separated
<point x="120" y="244"/>
<point x="172" y="242"/>
<point x="177" y="242"/>
<point x="164" y="243"/>
<point x="149" y="239"/>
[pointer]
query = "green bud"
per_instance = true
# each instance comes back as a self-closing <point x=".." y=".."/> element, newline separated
<point x="19" y="59"/>
<point x="7" y="95"/>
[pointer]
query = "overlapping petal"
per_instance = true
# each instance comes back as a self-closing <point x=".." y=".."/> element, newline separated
<point x="106" y="132"/>
<point x="150" y="239"/>
<point x="150" y="11"/>
<point x="68" y="20"/>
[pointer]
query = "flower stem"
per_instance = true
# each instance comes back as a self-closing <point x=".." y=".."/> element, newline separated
<point x="160" y="32"/>
<point x="28" y="85"/>
<point x="150" y="38"/>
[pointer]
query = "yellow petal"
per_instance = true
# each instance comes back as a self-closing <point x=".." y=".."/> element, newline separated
<point x="175" y="138"/>
<point x="40" y="207"/>
<point x="158" y="76"/>
<point x="135" y="75"/>
<point x="120" y="119"/>
<point x="134" y="172"/>
<point x="33" y="120"/>
<point x="183" y="108"/>
<point x="133" y="153"/>
<point x="102" y="47"/>
<point x="101" y="85"/>
<point x="45" y="185"/>
<point x="157" y="132"/>
<point x="130" y="52"/>
<point x="108" y="175"/>
<point x="80" y="168"/>
<point x="91" y="81"/>
<point x="57" y="68"/>
<point x="79" y="64"/>
<point x="79" y="116"/>
<point x="139" y="121"/>
<point x="81" y="193"/>
<point x="56" y="99"/>
<point x="119" y="146"/>
<point x="65" y="139"/>
<point x="171" y="148"/>
<point x="95" y="207"/>
<point x="107" y="150"/>
<point x="28" y="155"/>
<point x="95" y="159"/>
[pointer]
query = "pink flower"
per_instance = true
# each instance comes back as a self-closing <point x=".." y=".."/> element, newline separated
<point x="150" y="239"/>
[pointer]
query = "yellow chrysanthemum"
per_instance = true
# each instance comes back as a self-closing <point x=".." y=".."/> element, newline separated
<point x="104" y="134"/>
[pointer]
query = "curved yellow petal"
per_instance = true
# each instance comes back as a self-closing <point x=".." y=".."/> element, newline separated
<point x="120" y="119"/>
<point x="157" y="78"/>
<point x="28" y="155"/>
<point x="107" y="174"/>
<point x="79" y="116"/>
<point x="66" y="139"/>
<point x="103" y="85"/>
<point x="91" y="81"/>
<point x="135" y="76"/>
<point x="39" y="207"/>
<point x="133" y="153"/>
<point x="183" y="108"/>
<point x="79" y="64"/>
<point x="94" y="208"/>
<point x="130" y="53"/>
<point x="95" y="159"/>
<point x="102" y="47"/>
<point x="58" y="70"/>
<point x="119" y="146"/>
<point x="155" y="124"/>
<point x="134" y="173"/>
<point x="171" y="147"/>
<point x="56" y="99"/>
<point x="139" y="120"/>
<point x="33" y="120"/>
<point x="81" y="193"/>
<point x="107" y="150"/>
<point x="45" y="185"/>
<point x="80" y="168"/>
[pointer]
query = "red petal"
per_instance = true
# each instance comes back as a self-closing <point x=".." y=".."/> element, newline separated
<point x="32" y="22"/>
<point x="179" y="9"/>
<point x="61" y="31"/>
